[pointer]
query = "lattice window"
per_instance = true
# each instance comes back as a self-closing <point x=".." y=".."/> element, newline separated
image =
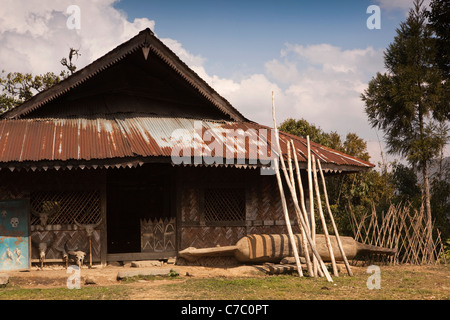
<point x="224" y="204"/>
<point x="68" y="206"/>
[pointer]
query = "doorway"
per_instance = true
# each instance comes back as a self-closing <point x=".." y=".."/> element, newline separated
<point x="133" y="196"/>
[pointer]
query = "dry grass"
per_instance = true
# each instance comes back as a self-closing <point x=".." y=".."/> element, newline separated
<point x="397" y="283"/>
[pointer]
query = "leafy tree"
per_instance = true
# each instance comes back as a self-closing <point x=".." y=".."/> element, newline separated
<point x="303" y="128"/>
<point x="17" y="87"/>
<point x="355" y="146"/>
<point x="405" y="181"/>
<point x="408" y="101"/>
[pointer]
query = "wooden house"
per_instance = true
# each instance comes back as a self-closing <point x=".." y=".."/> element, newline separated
<point x="103" y="147"/>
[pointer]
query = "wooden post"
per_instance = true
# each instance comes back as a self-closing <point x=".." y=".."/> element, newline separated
<point x="283" y="199"/>
<point x="308" y="236"/>
<point x="322" y="219"/>
<point x="305" y="215"/>
<point x="336" y="232"/>
<point x="103" y="226"/>
<point x="90" y="252"/>
<point x="312" y="222"/>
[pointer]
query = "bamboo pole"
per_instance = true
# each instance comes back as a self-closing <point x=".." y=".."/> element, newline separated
<point x="322" y="218"/>
<point x="308" y="236"/>
<point x="283" y="199"/>
<point x="304" y="212"/>
<point x="295" y="199"/>
<point x="291" y="175"/>
<point x="312" y="222"/>
<point x="336" y="232"/>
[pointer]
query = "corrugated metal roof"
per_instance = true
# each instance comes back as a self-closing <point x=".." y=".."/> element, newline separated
<point x="132" y="136"/>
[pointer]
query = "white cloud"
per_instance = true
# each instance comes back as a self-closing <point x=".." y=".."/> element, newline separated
<point x="34" y="34"/>
<point x="320" y="83"/>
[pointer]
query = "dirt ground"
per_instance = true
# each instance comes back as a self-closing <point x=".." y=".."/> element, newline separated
<point x="56" y="276"/>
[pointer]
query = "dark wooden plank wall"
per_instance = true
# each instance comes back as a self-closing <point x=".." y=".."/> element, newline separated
<point x="19" y="185"/>
<point x="264" y="212"/>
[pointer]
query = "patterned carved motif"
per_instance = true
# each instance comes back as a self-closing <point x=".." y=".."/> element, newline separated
<point x="158" y="235"/>
<point x="190" y="205"/>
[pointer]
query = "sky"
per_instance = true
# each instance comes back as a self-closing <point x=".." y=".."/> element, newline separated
<point x="316" y="56"/>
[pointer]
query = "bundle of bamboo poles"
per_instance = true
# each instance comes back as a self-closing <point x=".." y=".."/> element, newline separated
<point x="306" y="223"/>
<point x="402" y="228"/>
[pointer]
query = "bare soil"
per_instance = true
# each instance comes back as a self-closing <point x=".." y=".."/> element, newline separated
<point x="56" y="276"/>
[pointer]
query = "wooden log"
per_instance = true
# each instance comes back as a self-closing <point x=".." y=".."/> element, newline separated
<point x="260" y="248"/>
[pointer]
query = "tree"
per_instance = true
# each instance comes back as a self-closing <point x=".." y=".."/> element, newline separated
<point x="439" y="21"/>
<point x="303" y="128"/>
<point x="406" y="184"/>
<point x="17" y="87"/>
<point x="68" y="63"/>
<point x="408" y="102"/>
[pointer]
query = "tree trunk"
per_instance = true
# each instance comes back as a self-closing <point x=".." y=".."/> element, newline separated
<point x="426" y="186"/>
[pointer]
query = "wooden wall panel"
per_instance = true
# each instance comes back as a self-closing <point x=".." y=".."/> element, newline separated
<point x="203" y="237"/>
<point x="75" y="239"/>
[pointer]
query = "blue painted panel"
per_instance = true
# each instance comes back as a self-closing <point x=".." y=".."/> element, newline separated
<point x="14" y="235"/>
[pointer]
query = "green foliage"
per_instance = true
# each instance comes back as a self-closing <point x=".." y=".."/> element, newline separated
<point x="302" y="129"/>
<point x="439" y="21"/>
<point x="445" y="256"/>
<point x="353" y="145"/>
<point x="173" y="273"/>
<point x="440" y="200"/>
<point x="16" y="87"/>
<point x="406" y="184"/>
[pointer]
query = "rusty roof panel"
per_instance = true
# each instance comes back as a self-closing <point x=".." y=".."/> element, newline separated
<point x="136" y="135"/>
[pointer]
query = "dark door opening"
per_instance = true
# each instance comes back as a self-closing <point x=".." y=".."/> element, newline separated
<point x="132" y="195"/>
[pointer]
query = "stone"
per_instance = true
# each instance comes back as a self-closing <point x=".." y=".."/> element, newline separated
<point x="146" y="264"/>
<point x="291" y="260"/>
<point x="4" y="280"/>
<point x="144" y="273"/>
<point x="114" y="264"/>
<point x="126" y="264"/>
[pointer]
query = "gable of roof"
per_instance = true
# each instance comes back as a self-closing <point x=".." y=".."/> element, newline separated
<point x="145" y="40"/>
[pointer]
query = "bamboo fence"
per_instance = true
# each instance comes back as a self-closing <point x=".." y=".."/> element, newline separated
<point x="403" y="228"/>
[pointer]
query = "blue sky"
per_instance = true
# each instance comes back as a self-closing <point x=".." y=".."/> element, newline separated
<point x="239" y="36"/>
